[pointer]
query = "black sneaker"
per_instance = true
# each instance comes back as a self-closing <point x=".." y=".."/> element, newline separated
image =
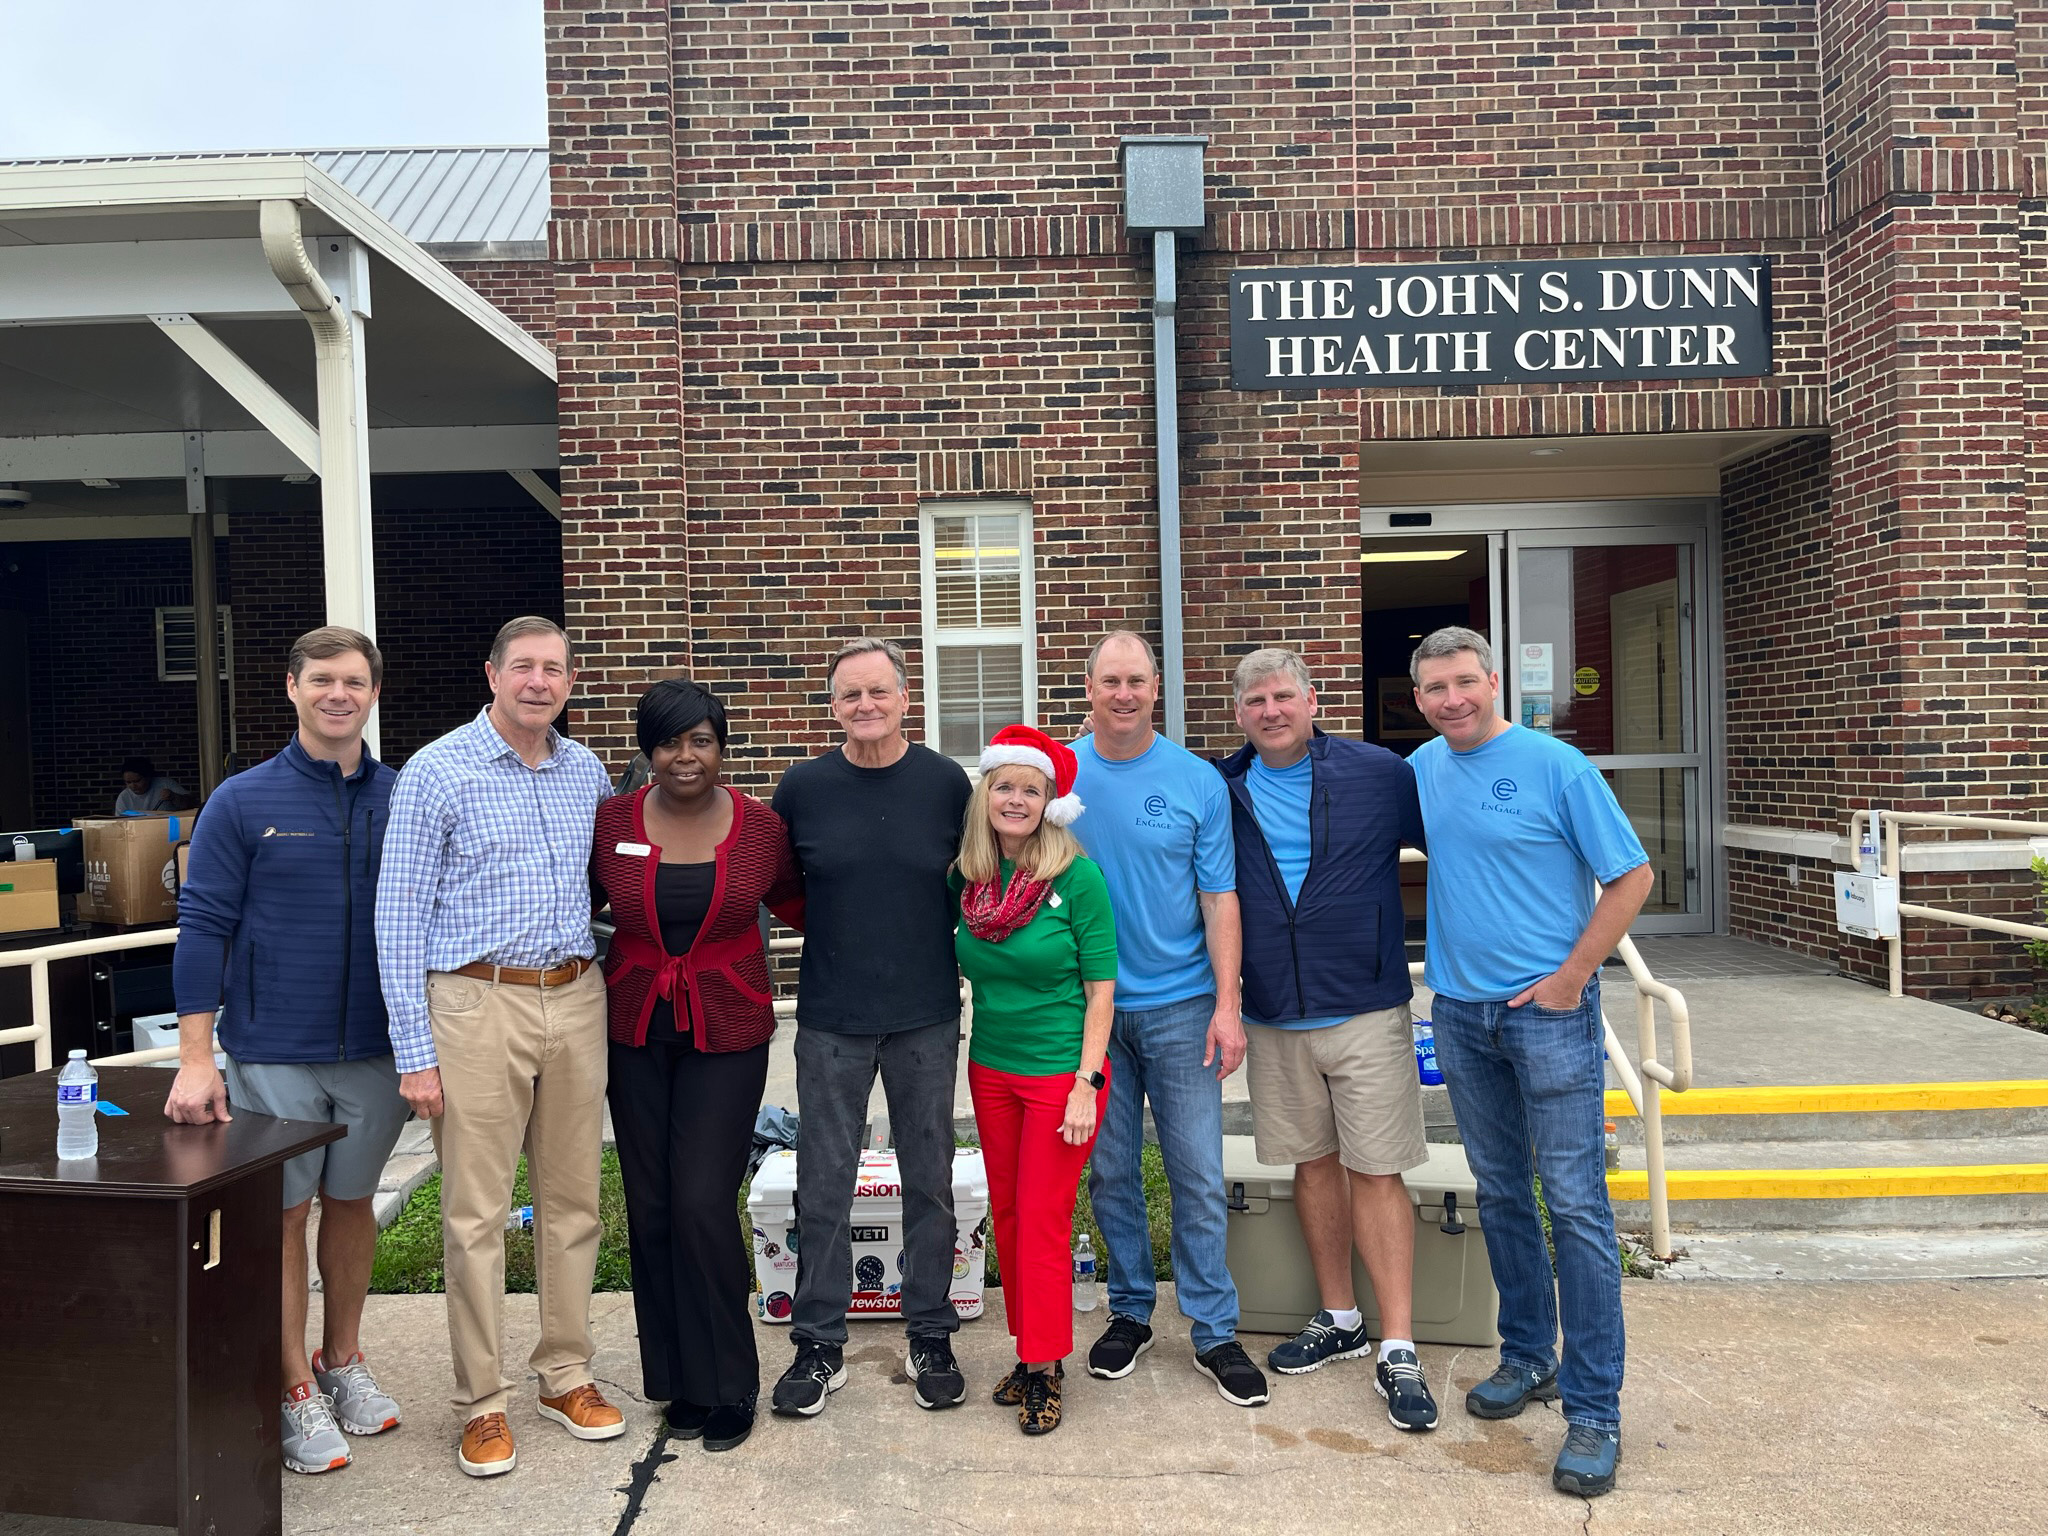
<point x="1236" y="1378"/>
<point x="934" y="1373"/>
<point x="1319" y="1343"/>
<point x="817" y="1370"/>
<point x="1399" y="1380"/>
<point x="1119" y="1347"/>
<point x="1009" y="1391"/>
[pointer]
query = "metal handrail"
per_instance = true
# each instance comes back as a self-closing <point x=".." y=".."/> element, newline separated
<point x="37" y="1031"/>
<point x="1889" y="823"/>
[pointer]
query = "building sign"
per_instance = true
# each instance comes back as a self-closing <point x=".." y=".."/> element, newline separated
<point x="1517" y="322"/>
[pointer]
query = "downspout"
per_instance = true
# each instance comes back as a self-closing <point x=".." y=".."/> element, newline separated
<point x="343" y="420"/>
<point x="1166" y="431"/>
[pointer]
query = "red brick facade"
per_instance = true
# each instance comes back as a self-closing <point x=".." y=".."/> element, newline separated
<point x="816" y="265"/>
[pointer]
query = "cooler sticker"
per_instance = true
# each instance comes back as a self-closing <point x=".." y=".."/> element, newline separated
<point x="868" y="1274"/>
<point x="777" y="1304"/>
<point x="634" y="850"/>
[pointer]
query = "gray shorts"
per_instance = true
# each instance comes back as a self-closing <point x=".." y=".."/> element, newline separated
<point x="362" y="1095"/>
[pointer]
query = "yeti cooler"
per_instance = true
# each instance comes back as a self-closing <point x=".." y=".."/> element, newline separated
<point x="1455" y="1302"/>
<point x="877" y="1235"/>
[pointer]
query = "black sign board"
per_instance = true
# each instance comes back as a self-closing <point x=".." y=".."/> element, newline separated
<point x="1513" y="322"/>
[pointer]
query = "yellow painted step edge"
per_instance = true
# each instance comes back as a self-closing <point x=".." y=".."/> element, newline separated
<point x="1842" y="1098"/>
<point x="1833" y="1183"/>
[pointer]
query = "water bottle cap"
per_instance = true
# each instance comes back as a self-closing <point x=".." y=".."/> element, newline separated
<point x="77" y="1056"/>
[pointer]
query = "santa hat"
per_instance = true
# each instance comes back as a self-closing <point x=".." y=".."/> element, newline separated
<point x="1022" y="744"/>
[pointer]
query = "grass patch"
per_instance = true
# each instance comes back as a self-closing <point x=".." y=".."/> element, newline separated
<point x="408" y="1258"/>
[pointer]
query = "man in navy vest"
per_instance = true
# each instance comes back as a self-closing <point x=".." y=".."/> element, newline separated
<point x="275" y="928"/>
<point x="1319" y="823"/>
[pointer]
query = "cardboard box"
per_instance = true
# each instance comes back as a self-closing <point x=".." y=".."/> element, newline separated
<point x="28" y="895"/>
<point x="877" y="1223"/>
<point x="131" y="873"/>
<point x="1455" y="1302"/>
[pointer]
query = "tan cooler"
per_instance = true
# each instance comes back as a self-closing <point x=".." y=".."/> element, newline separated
<point x="1455" y="1302"/>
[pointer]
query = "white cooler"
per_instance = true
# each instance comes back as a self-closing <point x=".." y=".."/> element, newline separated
<point x="877" y="1225"/>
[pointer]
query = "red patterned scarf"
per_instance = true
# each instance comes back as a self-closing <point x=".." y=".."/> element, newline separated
<point x="994" y="912"/>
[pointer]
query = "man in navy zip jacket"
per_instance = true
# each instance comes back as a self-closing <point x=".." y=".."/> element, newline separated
<point x="276" y="929"/>
<point x="1319" y="823"/>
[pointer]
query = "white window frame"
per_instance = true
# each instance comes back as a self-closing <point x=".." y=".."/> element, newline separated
<point x="1024" y="635"/>
<point x="191" y="618"/>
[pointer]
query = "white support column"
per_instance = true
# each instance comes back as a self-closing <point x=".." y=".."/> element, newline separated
<point x="331" y="286"/>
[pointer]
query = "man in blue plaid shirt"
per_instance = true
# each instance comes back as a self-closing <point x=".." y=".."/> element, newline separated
<point x="498" y="1022"/>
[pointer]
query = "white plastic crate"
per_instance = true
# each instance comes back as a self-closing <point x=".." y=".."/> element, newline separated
<point x="877" y="1231"/>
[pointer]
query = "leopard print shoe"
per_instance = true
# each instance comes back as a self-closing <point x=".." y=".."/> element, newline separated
<point x="1009" y="1391"/>
<point x="1039" y="1413"/>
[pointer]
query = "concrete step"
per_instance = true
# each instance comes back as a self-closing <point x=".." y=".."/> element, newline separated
<point x="1999" y="1253"/>
<point x="1966" y="1182"/>
<point x="1844" y="1112"/>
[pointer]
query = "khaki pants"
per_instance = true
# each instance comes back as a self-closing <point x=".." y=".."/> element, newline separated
<point x="520" y="1067"/>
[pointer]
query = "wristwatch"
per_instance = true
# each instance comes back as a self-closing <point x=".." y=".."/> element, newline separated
<point x="1092" y="1079"/>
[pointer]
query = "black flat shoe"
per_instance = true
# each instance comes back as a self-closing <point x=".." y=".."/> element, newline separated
<point x="727" y="1425"/>
<point x="686" y="1420"/>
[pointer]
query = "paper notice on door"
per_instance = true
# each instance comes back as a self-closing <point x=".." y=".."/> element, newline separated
<point x="1536" y="712"/>
<point x="1538" y="666"/>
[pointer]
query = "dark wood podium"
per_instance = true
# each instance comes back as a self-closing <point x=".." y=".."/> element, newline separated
<point x="140" y="1309"/>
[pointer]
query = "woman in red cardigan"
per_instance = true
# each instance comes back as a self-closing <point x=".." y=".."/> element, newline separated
<point x="685" y="864"/>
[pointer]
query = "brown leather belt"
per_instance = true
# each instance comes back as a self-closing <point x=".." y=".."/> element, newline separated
<point x="525" y="976"/>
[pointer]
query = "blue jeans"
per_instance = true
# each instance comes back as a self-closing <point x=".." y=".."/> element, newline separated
<point x="1530" y="1077"/>
<point x="1157" y="1053"/>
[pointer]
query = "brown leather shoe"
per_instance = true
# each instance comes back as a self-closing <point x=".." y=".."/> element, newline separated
<point x="584" y="1413"/>
<point x="486" y="1447"/>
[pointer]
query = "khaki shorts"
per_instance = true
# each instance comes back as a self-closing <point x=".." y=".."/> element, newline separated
<point x="1349" y="1088"/>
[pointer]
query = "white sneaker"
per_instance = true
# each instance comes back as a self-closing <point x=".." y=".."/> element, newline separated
<point x="360" y="1405"/>
<point x="309" y="1439"/>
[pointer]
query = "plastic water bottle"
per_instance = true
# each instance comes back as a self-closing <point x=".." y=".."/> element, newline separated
<point x="520" y="1220"/>
<point x="1612" y="1147"/>
<point x="1866" y="850"/>
<point x="78" y="1106"/>
<point x="1087" y="1289"/>
<point x="1425" y="1053"/>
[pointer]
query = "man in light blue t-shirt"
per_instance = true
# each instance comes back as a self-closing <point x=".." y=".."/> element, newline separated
<point x="1158" y="823"/>
<point x="1520" y="825"/>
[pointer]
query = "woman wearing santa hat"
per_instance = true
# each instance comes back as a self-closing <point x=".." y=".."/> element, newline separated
<point x="1038" y="943"/>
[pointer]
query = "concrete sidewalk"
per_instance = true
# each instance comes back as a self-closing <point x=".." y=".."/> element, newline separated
<point x="1854" y="1408"/>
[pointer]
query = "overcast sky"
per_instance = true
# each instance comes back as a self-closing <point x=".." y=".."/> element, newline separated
<point x="143" y="76"/>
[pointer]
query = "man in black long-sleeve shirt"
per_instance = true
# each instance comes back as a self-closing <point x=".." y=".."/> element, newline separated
<point x="876" y="823"/>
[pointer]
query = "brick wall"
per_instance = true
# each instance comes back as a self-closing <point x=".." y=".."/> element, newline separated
<point x="94" y="697"/>
<point x="447" y="578"/>
<point x="816" y="264"/>
<point x="525" y="290"/>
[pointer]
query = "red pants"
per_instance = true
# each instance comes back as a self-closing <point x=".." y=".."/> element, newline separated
<point x="1033" y="1175"/>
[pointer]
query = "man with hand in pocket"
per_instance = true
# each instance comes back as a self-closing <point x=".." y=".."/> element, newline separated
<point x="1520" y="826"/>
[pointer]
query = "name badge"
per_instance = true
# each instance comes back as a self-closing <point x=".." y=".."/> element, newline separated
<point x="638" y="850"/>
<point x="1053" y="900"/>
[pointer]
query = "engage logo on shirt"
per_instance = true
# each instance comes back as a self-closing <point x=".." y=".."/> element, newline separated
<point x="1504" y="791"/>
<point x="1153" y="814"/>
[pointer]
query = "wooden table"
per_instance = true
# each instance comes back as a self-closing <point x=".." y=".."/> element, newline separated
<point x="140" y="1309"/>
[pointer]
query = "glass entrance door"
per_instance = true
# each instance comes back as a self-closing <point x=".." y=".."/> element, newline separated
<point x="1600" y="636"/>
<point x="1604" y="646"/>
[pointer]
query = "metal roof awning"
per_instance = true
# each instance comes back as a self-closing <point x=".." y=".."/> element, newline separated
<point x="194" y="318"/>
<point x="128" y="287"/>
